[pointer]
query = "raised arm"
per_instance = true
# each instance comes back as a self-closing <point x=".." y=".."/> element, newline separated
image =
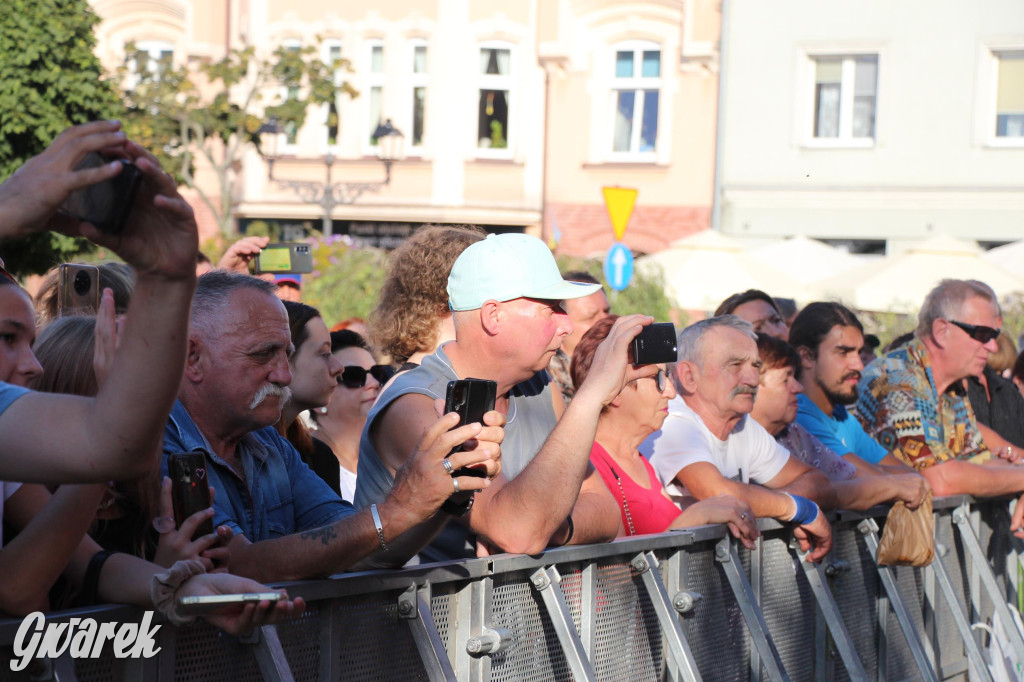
<point x="116" y="434"/>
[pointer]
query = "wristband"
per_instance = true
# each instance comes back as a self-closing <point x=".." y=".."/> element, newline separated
<point x="806" y="511"/>
<point x="165" y="585"/>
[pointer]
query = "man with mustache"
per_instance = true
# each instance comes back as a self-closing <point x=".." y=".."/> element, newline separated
<point x="708" y="446"/>
<point x="288" y="524"/>
<point x="829" y="338"/>
<point x="913" y="400"/>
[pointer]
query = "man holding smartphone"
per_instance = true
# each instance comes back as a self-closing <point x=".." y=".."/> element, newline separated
<point x="506" y="296"/>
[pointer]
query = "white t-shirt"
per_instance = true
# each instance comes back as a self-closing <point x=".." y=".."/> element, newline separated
<point x="749" y="454"/>
<point x="347" y="484"/>
<point x="6" y="490"/>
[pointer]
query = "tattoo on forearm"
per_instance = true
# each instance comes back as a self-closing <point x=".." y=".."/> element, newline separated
<point x="325" y="535"/>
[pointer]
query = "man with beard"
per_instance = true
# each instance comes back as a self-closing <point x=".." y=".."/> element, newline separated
<point x="288" y="524"/>
<point x="709" y="446"/>
<point x="829" y="338"/>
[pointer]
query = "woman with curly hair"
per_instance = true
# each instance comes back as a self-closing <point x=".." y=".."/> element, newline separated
<point x="412" y="318"/>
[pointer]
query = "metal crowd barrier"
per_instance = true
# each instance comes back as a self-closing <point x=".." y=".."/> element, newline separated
<point x="686" y="605"/>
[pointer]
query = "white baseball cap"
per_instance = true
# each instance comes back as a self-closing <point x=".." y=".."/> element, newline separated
<point x="507" y="266"/>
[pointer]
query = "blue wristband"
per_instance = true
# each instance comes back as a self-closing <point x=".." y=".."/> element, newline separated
<point x="806" y="511"/>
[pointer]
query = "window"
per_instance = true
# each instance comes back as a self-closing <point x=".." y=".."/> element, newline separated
<point x="151" y="56"/>
<point x="332" y="57"/>
<point x="291" y="128"/>
<point x="374" y="88"/>
<point x="495" y="97"/>
<point x="844" y="97"/>
<point x="1009" y="94"/>
<point x="418" y="79"/>
<point x="636" y="91"/>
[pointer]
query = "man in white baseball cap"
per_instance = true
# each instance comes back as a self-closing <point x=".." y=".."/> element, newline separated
<point x="506" y="294"/>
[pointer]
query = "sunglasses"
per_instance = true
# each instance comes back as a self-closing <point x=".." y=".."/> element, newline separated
<point x="979" y="333"/>
<point x="659" y="379"/>
<point x="354" y="376"/>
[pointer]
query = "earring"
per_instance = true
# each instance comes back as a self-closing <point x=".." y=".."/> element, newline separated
<point x="322" y="410"/>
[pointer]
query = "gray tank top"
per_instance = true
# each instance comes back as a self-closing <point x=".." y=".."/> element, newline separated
<point x="530" y="420"/>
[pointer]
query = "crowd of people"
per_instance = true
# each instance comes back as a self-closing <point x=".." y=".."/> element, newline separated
<point x="328" y="449"/>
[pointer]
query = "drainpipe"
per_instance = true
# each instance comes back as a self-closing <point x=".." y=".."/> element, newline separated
<point x="716" y="198"/>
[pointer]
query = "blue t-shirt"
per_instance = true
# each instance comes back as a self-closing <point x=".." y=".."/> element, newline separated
<point x="9" y="393"/>
<point x="283" y="495"/>
<point x="841" y="432"/>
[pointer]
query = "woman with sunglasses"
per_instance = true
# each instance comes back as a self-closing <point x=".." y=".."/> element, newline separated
<point x="314" y="371"/>
<point x="340" y="423"/>
<point x="638" y="411"/>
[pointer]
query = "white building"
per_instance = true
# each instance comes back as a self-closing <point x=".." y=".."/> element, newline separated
<point x="872" y="120"/>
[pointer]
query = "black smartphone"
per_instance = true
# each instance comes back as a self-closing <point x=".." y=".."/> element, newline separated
<point x="78" y="289"/>
<point x="105" y="204"/>
<point x="471" y="399"/>
<point x="286" y="258"/>
<point x="655" y="344"/>
<point x="190" y="491"/>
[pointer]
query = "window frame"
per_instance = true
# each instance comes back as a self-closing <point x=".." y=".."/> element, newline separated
<point x="289" y="147"/>
<point x="153" y="50"/>
<point x="371" y="80"/>
<point x="989" y="119"/>
<point x="325" y="56"/>
<point x="636" y="84"/>
<point x="496" y="82"/>
<point x="415" y="80"/>
<point x="847" y="94"/>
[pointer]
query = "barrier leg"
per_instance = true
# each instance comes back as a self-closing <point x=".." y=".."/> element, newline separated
<point x="646" y="564"/>
<point x="725" y="554"/>
<point x="826" y="602"/>
<point x="961" y="519"/>
<point x="545" y="581"/>
<point x="269" y="654"/>
<point x="413" y="607"/>
<point x="938" y="569"/>
<point x="869" y="529"/>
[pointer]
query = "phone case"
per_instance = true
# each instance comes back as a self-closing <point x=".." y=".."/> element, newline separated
<point x="190" y="490"/>
<point x="471" y="399"/>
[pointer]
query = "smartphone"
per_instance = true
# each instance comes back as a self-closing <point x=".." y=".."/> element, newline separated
<point x="194" y="606"/>
<point x="78" y="289"/>
<point x="105" y="204"/>
<point x="286" y="258"/>
<point x="471" y="399"/>
<point x="190" y="491"/>
<point x="655" y="344"/>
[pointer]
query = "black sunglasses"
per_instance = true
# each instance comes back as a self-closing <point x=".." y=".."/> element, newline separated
<point x="979" y="333"/>
<point x="354" y="376"/>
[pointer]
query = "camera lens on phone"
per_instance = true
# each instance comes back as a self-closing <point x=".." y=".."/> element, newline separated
<point x="82" y="283"/>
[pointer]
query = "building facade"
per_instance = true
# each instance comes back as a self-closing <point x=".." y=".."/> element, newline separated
<point x="872" y="123"/>
<point x="514" y="115"/>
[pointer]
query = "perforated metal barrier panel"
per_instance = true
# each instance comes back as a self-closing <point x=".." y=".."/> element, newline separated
<point x="603" y="616"/>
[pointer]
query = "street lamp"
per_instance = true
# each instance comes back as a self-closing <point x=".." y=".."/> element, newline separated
<point x="390" y="148"/>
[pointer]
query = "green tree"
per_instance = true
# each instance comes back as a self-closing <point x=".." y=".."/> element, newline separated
<point x="214" y="110"/>
<point x="49" y="80"/>
<point x="346" y="280"/>
<point x="645" y="293"/>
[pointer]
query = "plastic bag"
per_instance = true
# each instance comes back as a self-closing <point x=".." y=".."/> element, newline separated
<point x="908" y="538"/>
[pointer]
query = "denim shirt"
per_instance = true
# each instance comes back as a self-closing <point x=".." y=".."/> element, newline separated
<point x="283" y="495"/>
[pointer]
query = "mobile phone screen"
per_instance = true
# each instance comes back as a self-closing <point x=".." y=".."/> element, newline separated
<point x="276" y="259"/>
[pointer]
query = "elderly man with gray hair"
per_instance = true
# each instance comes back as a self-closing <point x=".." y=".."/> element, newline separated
<point x="913" y="402"/>
<point x="709" y="446"/>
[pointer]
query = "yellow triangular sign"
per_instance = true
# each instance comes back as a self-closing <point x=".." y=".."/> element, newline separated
<point x="620" y="202"/>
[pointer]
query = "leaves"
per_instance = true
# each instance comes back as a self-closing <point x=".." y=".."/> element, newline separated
<point x="49" y="79"/>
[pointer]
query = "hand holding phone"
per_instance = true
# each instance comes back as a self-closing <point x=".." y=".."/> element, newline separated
<point x="471" y="399"/>
<point x="655" y="344"/>
<point x="105" y="204"/>
<point x="284" y="259"/>
<point x="190" y="489"/>
<point x="199" y="605"/>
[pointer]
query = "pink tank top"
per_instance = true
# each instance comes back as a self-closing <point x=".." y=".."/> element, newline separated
<point x="649" y="509"/>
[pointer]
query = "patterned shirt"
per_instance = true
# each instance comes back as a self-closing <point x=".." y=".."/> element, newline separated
<point x="558" y="370"/>
<point x="901" y="408"/>
<point x="805" y="447"/>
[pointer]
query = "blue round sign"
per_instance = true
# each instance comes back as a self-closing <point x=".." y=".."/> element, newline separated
<point x="618" y="266"/>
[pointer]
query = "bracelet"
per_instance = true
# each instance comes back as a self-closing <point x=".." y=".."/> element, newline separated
<point x="572" y="529"/>
<point x="379" y="526"/>
<point x="166" y="584"/>
<point x="806" y="510"/>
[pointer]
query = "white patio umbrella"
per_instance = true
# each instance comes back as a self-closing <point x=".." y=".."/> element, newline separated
<point x="1008" y="257"/>
<point x="806" y="260"/>
<point x="705" y="268"/>
<point x="900" y="283"/>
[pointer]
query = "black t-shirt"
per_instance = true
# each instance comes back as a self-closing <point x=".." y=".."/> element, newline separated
<point x="1004" y="413"/>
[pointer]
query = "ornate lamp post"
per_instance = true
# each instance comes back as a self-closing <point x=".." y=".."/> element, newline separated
<point x="390" y="148"/>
